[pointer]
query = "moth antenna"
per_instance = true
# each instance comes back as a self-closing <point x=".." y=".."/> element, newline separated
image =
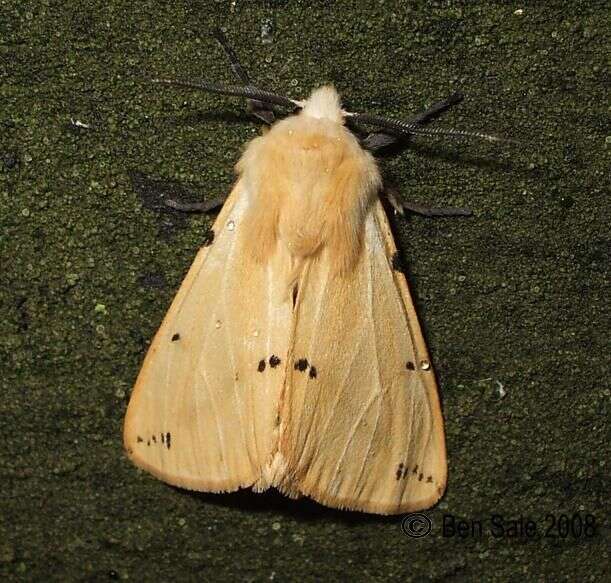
<point x="378" y="140"/>
<point x="415" y="128"/>
<point x="248" y="91"/>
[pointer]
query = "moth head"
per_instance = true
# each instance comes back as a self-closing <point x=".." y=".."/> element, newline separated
<point x="324" y="103"/>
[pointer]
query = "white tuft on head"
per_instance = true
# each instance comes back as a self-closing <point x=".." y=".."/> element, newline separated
<point x="324" y="103"/>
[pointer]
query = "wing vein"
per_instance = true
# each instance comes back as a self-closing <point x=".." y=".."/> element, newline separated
<point x="231" y="348"/>
<point x="377" y="361"/>
<point x="376" y="394"/>
<point x="322" y="289"/>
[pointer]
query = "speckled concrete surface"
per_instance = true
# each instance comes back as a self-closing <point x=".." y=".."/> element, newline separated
<point x="514" y="295"/>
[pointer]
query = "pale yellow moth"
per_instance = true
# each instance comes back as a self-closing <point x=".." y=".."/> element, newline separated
<point x="291" y="357"/>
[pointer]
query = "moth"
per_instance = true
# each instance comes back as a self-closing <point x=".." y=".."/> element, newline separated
<point x="291" y="356"/>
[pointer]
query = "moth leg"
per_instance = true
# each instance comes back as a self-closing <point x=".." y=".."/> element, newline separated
<point x="438" y="108"/>
<point x="394" y="202"/>
<point x="378" y="140"/>
<point x="400" y="207"/>
<point x="258" y="108"/>
<point x="448" y="211"/>
<point x="197" y="207"/>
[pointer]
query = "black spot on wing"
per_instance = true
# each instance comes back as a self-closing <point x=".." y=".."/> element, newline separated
<point x="409" y="365"/>
<point x="176" y="337"/>
<point x="399" y="471"/>
<point x="294" y="296"/>
<point x="261" y="366"/>
<point x="302" y="364"/>
<point x="313" y="372"/>
<point x="163" y="437"/>
<point x="274" y="361"/>
<point x="402" y="471"/>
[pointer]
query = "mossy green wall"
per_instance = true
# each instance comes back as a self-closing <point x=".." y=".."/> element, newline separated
<point x="514" y="295"/>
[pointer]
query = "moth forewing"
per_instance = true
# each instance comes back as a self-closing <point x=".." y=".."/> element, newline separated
<point x="203" y="389"/>
<point x="362" y="427"/>
<point x="292" y="355"/>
